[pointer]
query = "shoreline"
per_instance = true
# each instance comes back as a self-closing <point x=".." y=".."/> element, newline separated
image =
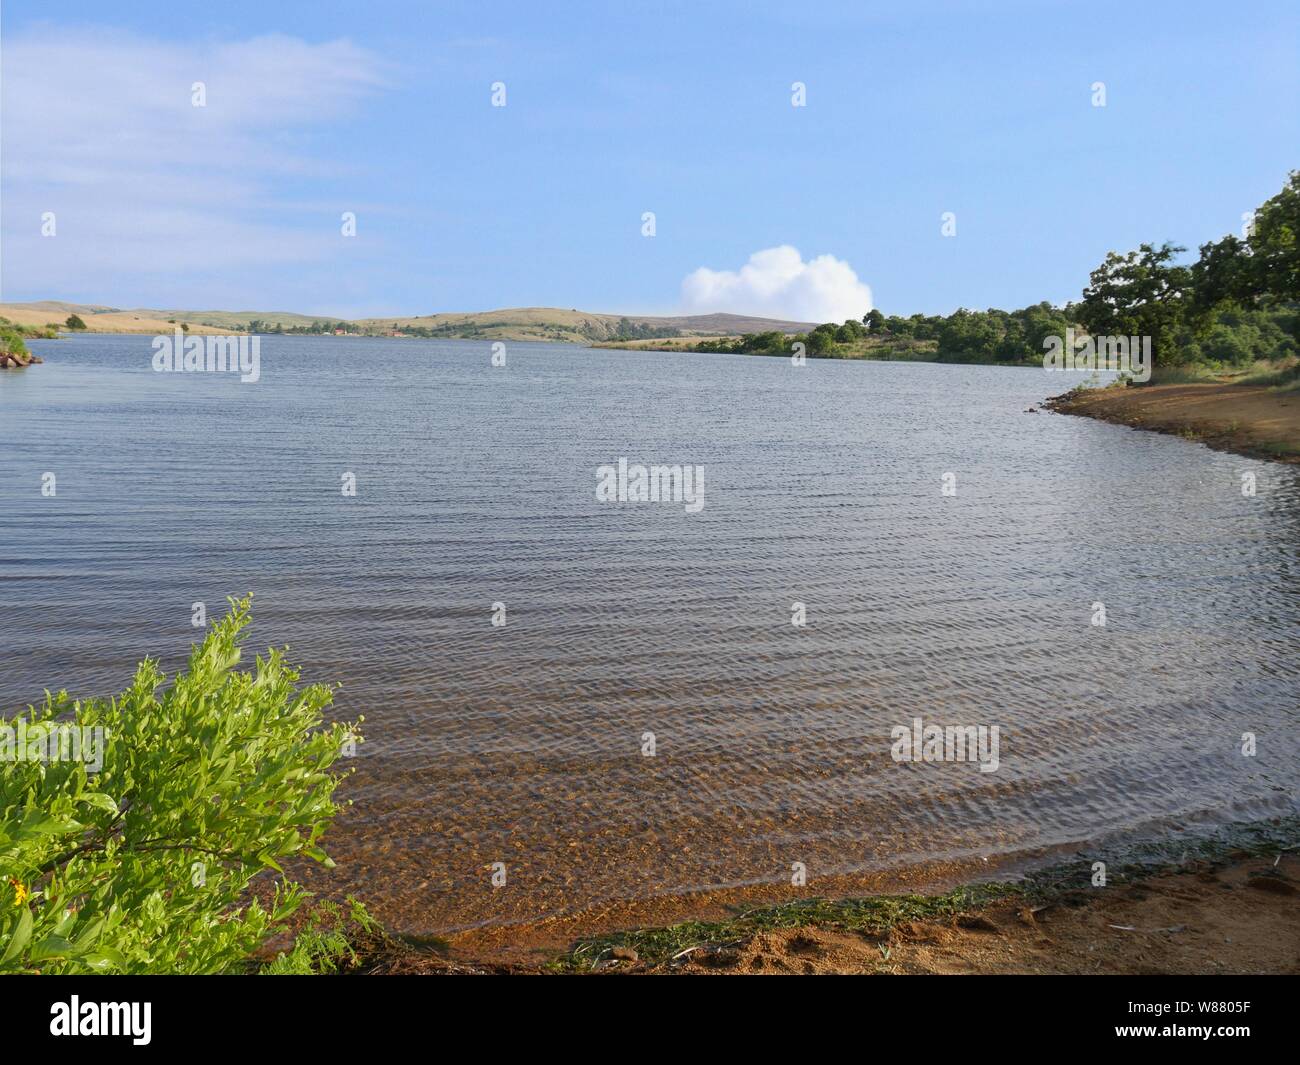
<point x="686" y="345"/>
<point x="1252" y="420"/>
<point x="1223" y="904"/>
<point x="864" y="350"/>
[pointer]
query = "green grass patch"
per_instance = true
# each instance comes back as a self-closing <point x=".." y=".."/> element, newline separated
<point x="332" y="941"/>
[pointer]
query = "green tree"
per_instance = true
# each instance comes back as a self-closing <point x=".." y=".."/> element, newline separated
<point x="969" y="335"/>
<point x="1141" y="293"/>
<point x="74" y="322"/>
<point x="1275" y="243"/>
<point x="1262" y="267"/>
<point x="850" y="331"/>
<point x="1224" y="273"/>
<point x="820" y="343"/>
<point x="769" y="343"/>
<point x="1040" y="322"/>
<point x="1012" y="346"/>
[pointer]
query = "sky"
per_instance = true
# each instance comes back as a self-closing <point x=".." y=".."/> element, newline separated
<point x="917" y="117"/>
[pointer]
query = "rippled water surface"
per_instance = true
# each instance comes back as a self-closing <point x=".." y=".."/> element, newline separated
<point x="523" y="744"/>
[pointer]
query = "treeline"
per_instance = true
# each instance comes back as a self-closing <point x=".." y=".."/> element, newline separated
<point x="1236" y="303"/>
<point x="985" y="336"/>
<point x="828" y="341"/>
<point x="625" y="329"/>
<point x="1239" y="302"/>
<point x="316" y="328"/>
<point x="992" y="336"/>
<point x="630" y="330"/>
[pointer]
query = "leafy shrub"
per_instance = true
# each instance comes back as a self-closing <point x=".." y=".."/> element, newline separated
<point x="11" y="341"/>
<point x="146" y="865"/>
<point x="1232" y="336"/>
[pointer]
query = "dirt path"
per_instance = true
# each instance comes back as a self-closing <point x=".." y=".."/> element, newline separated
<point x="1246" y="419"/>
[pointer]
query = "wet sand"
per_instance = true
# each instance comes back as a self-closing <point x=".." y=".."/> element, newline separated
<point x="1245" y="419"/>
<point x="1241" y="916"/>
<point x="538" y="942"/>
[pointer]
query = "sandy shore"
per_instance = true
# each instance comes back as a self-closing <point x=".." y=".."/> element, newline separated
<point x="1246" y="419"/>
<point x="1243" y="918"/>
<point x="1239" y="913"/>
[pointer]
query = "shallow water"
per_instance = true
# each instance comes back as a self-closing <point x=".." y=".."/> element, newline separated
<point x="523" y="744"/>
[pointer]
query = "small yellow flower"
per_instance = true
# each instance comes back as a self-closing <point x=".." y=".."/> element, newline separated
<point x="20" y="891"/>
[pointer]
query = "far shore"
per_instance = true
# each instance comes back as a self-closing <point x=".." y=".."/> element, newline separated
<point x="1253" y="420"/>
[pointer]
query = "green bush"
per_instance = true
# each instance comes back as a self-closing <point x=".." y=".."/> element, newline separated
<point x="146" y="865"/>
<point x="11" y="341"/>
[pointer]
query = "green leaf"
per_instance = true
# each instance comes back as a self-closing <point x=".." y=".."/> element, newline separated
<point x="104" y="959"/>
<point x="39" y="823"/>
<point x="51" y="946"/>
<point x="100" y="801"/>
<point x="22" y="933"/>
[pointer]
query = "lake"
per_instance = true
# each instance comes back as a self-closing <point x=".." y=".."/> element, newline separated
<point x="526" y="743"/>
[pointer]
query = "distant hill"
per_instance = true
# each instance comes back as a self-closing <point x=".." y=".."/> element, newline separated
<point x="98" y="318"/>
<point x="517" y="323"/>
<point x="580" y="327"/>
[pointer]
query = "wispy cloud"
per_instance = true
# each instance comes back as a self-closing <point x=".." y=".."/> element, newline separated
<point x="778" y="283"/>
<point x="100" y="128"/>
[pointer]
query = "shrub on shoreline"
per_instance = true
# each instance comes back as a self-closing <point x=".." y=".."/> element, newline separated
<point x="202" y="785"/>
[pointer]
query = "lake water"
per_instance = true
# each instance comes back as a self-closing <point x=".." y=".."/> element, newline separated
<point x="523" y="744"/>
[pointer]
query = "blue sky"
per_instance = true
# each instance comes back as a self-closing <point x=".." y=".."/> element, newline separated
<point x="913" y="109"/>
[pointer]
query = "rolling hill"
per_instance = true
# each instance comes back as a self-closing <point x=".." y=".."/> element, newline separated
<point x="518" y="323"/>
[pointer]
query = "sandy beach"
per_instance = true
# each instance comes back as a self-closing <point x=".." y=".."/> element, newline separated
<point x="1237" y="917"/>
<point x="1249" y="420"/>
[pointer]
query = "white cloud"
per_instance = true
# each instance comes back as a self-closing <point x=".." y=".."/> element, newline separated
<point x="154" y="195"/>
<point x="777" y="283"/>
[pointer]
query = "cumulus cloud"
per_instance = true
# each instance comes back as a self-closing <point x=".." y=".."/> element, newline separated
<point x="777" y="283"/>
